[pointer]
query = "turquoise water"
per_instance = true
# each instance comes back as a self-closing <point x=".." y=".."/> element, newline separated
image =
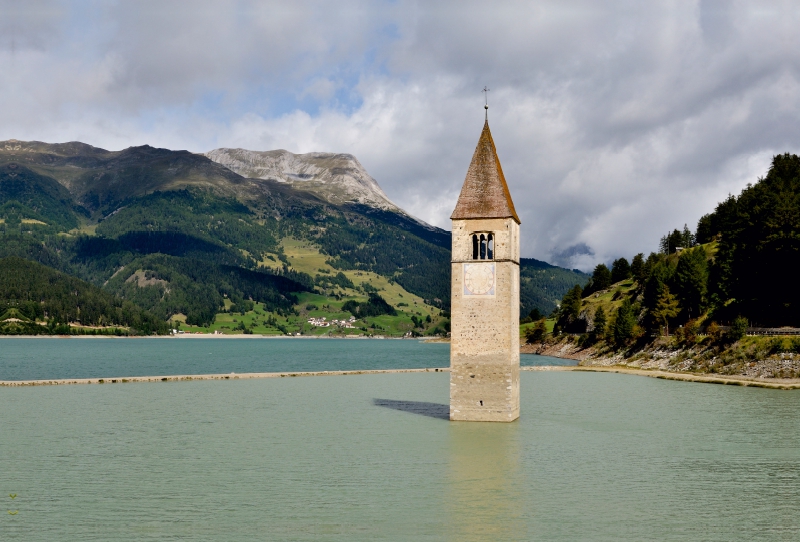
<point x="370" y="457"/>
<point x="44" y="359"/>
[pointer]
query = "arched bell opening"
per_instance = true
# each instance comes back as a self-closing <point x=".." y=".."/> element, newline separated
<point x="482" y="246"/>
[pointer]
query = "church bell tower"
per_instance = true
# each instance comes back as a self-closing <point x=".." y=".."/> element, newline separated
<point x="484" y="345"/>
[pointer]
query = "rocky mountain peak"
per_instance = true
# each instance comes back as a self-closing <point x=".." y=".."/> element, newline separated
<point x="337" y="178"/>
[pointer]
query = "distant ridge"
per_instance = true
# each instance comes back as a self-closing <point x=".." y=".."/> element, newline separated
<point x="337" y="178"/>
<point x="176" y="216"/>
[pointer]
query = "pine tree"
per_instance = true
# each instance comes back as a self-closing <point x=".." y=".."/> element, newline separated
<point x="653" y="260"/>
<point x="537" y="332"/>
<point x="691" y="281"/>
<point x="620" y="270"/>
<point x="570" y="309"/>
<point x="638" y="268"/>
<point x="704" y="230"/>
<point x="669" y="242"/>
<point x="601" y="278"/>
<point x="687" y="239"/>
<point x="667" y="307"/>
<point x="624" y="323"/>
<point x="571" y="304"/>
<point x="677" y="239"/>
<point x="599" y="324"/>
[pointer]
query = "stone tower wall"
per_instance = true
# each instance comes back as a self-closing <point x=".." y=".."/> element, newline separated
<point x="484" y="347"/>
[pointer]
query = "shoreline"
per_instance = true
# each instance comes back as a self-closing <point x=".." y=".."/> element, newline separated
<point x="207" y="336"/>
<point x="730" y="380"/>
<point x="779" y="372"/>
<point x="788" y="384"/>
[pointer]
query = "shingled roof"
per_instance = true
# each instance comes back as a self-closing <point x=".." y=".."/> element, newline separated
<point x="485" y="192"/>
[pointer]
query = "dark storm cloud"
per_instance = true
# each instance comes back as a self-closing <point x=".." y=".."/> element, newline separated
<point x="566" y="256"/>
<point x="614" y="121"/>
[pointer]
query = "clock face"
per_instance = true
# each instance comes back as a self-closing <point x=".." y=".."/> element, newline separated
<point x="479" y="279"/>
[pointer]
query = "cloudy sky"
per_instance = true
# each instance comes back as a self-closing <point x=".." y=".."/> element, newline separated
<point x="615" y="121"/>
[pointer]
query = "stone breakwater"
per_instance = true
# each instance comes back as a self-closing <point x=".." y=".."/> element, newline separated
<point x="781" y="384"/>
<point x="186" y="378"/>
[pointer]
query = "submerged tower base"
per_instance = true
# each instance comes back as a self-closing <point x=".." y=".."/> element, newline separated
<point x="483" y="389"/>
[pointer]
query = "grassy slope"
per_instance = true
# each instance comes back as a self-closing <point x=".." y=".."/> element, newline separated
<point x="606" y="298"/>
<point x="610" y="299"/>
<point x="523" y="328"/>
<point x="307" y="258"/>
<point x="303" y="256"/>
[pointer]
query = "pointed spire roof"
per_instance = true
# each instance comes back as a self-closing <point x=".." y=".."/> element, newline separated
<point x="485" y="192"/>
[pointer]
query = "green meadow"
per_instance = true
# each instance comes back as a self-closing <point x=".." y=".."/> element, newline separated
<point x="327" y="303"/>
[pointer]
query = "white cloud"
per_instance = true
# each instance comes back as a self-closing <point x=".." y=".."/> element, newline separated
<point x="614" y="124"/>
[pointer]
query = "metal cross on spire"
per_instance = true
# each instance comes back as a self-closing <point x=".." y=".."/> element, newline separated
<point x="486" y="97"/>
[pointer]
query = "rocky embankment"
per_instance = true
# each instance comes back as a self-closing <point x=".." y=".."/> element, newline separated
<point x="750" y="358"/>
<point x="558" y="349"/>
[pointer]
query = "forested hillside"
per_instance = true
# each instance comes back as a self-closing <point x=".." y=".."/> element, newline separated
<point x="35" y="300"/>
<point x="168" y="285"/>
<point x="739" y="269"/>
<point x="759" y="248"/>
<point x="35" y="199"/>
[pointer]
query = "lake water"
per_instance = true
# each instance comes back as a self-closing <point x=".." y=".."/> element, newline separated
<point x="370" y="457"/>
<point x="44" y="359"/>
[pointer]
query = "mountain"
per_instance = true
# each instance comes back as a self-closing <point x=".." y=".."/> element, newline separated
<point x="100" y="180"/>
<point x="336" y="178"/>
<point x="180" y="233"/>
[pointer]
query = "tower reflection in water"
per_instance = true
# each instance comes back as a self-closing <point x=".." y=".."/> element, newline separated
<point x="486" y="482"/>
